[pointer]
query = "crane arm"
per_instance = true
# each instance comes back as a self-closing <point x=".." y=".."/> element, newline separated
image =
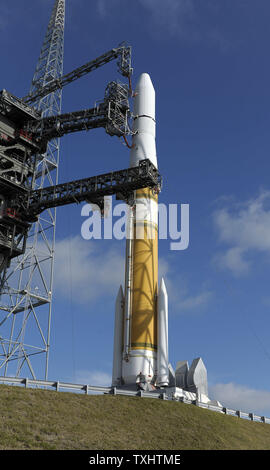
<point x="122" y="53"/>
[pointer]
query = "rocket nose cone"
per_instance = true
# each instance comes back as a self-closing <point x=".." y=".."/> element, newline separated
<point x="120" y="294"/>
<point x="144" y="81"/>
<point x="144" y="101"/>
<point x="162" y="288"/>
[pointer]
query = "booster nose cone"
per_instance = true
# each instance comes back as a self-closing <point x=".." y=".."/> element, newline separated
<point x="144" y="103"/>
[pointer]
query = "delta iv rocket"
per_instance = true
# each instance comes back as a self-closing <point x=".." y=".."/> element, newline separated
<point x="141" y="310"/>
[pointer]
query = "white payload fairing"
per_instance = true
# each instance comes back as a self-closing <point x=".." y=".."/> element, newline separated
<point x="141" y="311"/>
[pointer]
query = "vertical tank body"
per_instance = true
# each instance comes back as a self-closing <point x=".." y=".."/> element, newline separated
<point x="143" y="314"/>
<point x="142" y="348"/>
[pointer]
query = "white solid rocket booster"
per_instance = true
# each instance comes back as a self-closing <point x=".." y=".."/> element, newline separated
<point x="143" y="331"/>
<point x="162" y="353"/>
<point x="118" y="337"/>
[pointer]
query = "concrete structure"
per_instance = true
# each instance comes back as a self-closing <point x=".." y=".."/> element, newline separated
<point x="197" y="377"/>
<point x="181" y="373"/>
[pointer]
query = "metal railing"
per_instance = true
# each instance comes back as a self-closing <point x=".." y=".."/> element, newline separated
<point x="87" y="389"/>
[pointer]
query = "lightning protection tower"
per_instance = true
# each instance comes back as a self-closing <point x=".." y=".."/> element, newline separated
<point x="26" y="286"/>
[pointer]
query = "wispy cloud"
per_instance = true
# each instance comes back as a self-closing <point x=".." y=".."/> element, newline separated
<point x="187" y="20"/>
<point x="245" y="229"/>
<point x="94" y="377"/>
<point x="233" y="260"/>
<point x="93" y="274"/>
<point x="173" y="16"/>
<point x="102" y="8"/>
<point x="183" y="298"/>
<point x="106" y="8"/>
<point x="240" y="397"/>
<point x="90" y="272"/>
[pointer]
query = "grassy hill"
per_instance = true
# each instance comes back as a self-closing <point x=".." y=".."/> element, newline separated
<point x="41" y="419"/>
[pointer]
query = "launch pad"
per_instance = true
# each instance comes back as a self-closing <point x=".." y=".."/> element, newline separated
<point x="30" y="129"/>
<point x="184" y="384"/>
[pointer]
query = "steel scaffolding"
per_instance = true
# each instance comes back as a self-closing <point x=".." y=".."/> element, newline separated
<point x="26" y="286"/>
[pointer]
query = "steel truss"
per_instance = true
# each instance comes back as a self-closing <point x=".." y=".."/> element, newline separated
<point x="29" y="158"/>
<point x="26" y="286"/>
<point x="112" y="113"/>
<point x="123" y="183"/>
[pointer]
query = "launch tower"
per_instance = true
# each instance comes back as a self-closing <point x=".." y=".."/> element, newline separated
<point x="30" y="129"/>
<point x="26" y="286"/>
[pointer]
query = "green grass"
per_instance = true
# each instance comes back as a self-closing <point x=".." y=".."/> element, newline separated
<point x="41" y="419"/>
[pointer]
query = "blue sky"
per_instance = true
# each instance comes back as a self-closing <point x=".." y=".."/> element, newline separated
<point x="208" y="61"/>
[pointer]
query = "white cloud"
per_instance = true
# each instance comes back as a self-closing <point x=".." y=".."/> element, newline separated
<point x="167" y="13"/>
<point x="82" y="269"/>
<point x="245" y="229"/>
<point x="239" y="397"/>
<point x="95" y="378"/>
<point x="233" y="260"/>
<point x="180" y="295"/>
<point x="187" y="20"/>
<point x="183" y="300"/>
<point x="85" y="269"/>
<point x="172" y="14"/>
<point x="102" y="8"/>
<point x="192" y="302"/>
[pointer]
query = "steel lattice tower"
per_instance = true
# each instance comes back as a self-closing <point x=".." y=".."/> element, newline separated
<point x="26" y="286"/>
